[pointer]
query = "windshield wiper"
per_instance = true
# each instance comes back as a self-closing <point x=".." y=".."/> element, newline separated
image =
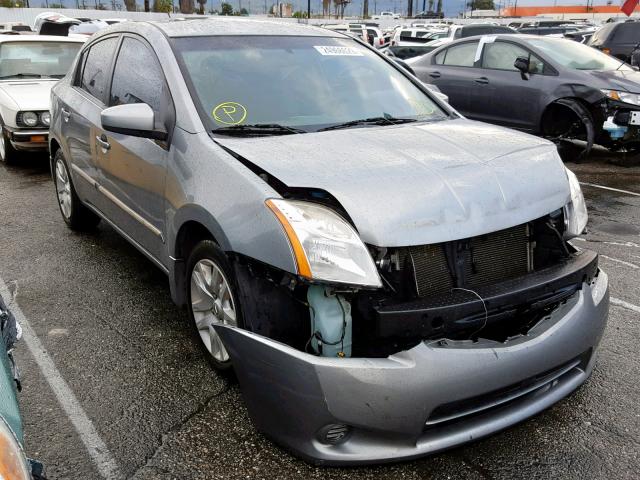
<point x="385" y="120"/>
<point x="258" y="129"/>
<point x="22" y="75"/>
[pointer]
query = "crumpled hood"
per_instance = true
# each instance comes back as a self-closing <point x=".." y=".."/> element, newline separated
<point x="620" y="80"/>
<point x="29" y="95"/>
<point x="418" y="184"/>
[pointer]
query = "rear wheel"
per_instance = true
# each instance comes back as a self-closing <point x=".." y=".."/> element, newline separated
<point x="74" y="213"/>
<point x="213" y="300"/>
<point x="8" y="154"/>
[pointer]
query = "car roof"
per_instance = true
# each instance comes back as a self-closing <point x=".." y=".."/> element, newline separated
<point x="39" y="38"/>
<point x="232" y="26"/>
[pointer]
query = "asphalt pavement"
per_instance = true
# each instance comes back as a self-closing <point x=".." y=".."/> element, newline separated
<point x="130" y="389"/>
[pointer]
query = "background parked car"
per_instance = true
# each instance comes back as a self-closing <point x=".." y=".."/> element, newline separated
<point x="617" y="39"/>
<point x="471" y="30"/>
<point x="14" y="464"/>
<point x="548" y="86"/>
<point x="29" y="67"/>
<point x="387" y="15"/>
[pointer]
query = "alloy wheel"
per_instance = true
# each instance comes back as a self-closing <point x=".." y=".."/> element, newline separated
<point x="63" y="188"/>
<point x="212" y="304"/>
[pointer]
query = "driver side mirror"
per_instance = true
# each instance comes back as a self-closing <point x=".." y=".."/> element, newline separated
<point x="134" y="119"/>
<point x="522" y="64"/>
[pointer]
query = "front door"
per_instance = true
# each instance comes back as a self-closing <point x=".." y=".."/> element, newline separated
<point x="133" y="169"/>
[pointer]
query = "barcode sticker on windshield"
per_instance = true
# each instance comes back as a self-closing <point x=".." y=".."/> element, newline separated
<point x="338" y="51"/>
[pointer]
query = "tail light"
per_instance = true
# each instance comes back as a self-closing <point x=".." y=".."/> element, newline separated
<point x="607" y="51"/>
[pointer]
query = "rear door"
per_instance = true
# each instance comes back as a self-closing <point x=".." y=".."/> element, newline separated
<point x="80" y="109"/>
<point x="453" y="71"/>
<point x="133" y="168"/>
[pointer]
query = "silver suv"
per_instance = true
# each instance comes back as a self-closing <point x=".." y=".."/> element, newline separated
<point x="387" y="278"/>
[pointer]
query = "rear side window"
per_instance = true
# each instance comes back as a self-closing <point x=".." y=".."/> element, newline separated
<point x="462" y="55"/>
<point x="138" y="78"/>
<point x="406" y="35"/>
<point x="97" y="61"/>
<point x="627" y="33"/>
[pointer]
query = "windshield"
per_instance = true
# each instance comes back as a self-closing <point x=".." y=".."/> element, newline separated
<point x="37" y="59"/>
<point x="304" y="82"/>
<point x="576" y="55"/>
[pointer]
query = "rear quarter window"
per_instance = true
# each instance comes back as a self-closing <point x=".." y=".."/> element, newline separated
<point x="627" y="33"/>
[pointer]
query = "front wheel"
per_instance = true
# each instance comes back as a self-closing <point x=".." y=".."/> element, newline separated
<point x="8" y="154"/>
<point x="213" y="300"/>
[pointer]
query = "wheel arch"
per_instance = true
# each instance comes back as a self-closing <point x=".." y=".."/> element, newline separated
<point x="567" y="108"/>
<point x="192" y="225"/>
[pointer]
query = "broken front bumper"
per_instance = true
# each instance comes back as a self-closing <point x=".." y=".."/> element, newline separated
<point x="432" y="397"/>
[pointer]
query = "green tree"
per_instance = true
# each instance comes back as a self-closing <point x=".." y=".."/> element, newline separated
<point x="226" y="9"/>
<point x="481" y="5"/>
<point x="299" y="14"/>
<point x="244" y="11"/>
<point x="11" y="4"/>
<point x="165" y="6"/>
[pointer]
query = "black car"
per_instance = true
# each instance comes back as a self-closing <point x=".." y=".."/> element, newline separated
<point x="617" y="39"/>
<point x="474" y="29"/>
<point x="548" y="30"/>
<point x="556" y="88"/>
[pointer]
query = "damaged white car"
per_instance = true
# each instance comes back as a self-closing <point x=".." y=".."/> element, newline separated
<point x="29" y="67"/>
<point x="386" y="278"/>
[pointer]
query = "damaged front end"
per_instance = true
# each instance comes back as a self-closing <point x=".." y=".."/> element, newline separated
<point x="458" y="340"/>
<point x="621" y="129"/>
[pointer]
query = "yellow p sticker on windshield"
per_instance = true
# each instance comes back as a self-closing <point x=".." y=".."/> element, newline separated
<point x="229" y="113"/>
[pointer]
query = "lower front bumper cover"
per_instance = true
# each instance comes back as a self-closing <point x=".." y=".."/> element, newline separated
<point x="22" y="139"/>
<point x="432" y="397"/>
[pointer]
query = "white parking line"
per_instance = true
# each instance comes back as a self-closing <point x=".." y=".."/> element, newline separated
<point x="623" y="304"/>
<point x="609" y="188"/>
<point x="622" y="262"/>
<point x="102" y="458"/>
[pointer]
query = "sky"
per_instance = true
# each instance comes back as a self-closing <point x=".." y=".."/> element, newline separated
<point x="451" y="7"/>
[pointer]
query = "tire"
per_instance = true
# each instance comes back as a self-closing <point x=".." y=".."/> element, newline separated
<point x="8" y="154"/>
<point x="74" y="213"/>
<point x="209" y="303"/>
<point x="570" y="152"/>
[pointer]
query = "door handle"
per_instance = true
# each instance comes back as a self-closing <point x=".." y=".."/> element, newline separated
<point x="434" y="74"/>
<point x="66" y="114"/>
<point x="482" y="80"/>
<point x="102" y="141"/>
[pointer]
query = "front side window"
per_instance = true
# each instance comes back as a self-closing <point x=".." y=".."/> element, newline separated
<point x="304" y="82"/>
<point x="137" y="76"/>
<point x="37" y="59"/>
<point x="96" y="67"/>
<point x="462" y="55"/>
<point x="502" y="56"/>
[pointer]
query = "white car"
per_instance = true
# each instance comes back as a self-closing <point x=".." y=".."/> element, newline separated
<point x="389" y="15"/>
<point x="29" y="67"/>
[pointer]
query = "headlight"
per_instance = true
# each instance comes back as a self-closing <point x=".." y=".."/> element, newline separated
<point x="325" y="246"/>
<point x="13" y="463"/>
<point x="626" y="97"/>
<point x="45" y="118"/>
<point x="30" y="119"/>
<point x="575" y="212"/>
